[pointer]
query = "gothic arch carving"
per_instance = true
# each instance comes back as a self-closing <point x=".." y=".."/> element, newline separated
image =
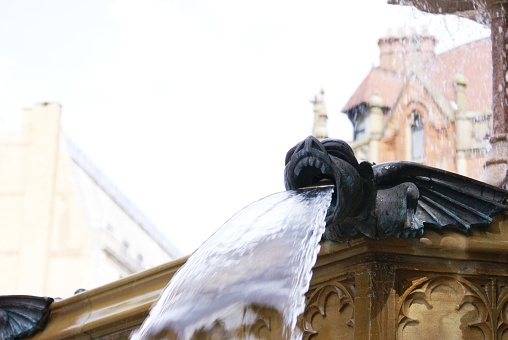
<point x="460" y="307"/>
<point x="500" y="313"/>
<point x="330" y="309"/>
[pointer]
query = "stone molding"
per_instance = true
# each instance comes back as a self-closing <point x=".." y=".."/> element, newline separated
<point x="115" y="308"/>
<point x="366" y="289"/>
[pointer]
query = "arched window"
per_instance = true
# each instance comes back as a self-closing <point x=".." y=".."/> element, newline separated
<point x="417" y="137"/>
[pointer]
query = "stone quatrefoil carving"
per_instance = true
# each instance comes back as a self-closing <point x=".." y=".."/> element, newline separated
<point x="329" y="311"/>
<point x="439" y="306"/>
<point x="453" y="307"/>
<point x="390" y="199"/>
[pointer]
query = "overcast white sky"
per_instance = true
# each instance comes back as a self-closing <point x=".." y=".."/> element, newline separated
<point x="187" y="106"/>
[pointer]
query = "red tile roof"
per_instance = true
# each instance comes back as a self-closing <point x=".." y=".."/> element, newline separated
<point x="473" y="60"/>
<point x="383" y="83"/>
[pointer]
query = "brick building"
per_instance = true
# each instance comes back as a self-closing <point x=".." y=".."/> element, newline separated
<point x="424" y="107"/>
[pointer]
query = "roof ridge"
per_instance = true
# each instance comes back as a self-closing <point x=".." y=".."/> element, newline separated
<point x="119" y="198"/>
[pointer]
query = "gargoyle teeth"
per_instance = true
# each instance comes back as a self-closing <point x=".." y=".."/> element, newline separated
<point x="313" y="162"/>
<point x="318" y="164"/>
<point x="298" y="168"/>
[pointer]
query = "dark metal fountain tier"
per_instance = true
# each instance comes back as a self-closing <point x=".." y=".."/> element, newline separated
<point x="389" y="199"/>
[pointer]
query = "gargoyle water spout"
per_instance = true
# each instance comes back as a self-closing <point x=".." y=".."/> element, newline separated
<point x="390" y="199"/>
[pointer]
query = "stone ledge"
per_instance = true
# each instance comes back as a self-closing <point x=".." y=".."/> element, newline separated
<point x="114" y="310"/>
<point x="109" y="309"/>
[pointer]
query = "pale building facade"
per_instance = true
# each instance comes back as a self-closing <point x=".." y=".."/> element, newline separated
<point x="423" y="107"/>
<point x="64" y="226"/>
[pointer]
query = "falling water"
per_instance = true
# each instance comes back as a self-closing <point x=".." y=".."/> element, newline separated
<point x="260" y="261"/>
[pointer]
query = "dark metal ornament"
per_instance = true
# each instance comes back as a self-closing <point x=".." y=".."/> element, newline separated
<point x="390" y="199"/>
<point x="22" y="315"/>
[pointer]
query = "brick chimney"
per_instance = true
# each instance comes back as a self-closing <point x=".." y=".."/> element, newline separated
<point x="399" y="53"/>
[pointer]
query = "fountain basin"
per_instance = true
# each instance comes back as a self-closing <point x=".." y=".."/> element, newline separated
<point x="365" y="288"/>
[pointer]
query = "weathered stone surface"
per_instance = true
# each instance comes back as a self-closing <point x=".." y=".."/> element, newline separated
<point x="445" y="285"/>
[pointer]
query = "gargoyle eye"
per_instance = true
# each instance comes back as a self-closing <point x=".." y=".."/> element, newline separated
<point x="335" y="154"/>
<point x="340" y="150"/>
<point x="334" y="151"/>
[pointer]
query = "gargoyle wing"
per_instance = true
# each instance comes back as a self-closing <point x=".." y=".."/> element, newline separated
<point x="22" y="315"/>
<point x="446" y="199"/>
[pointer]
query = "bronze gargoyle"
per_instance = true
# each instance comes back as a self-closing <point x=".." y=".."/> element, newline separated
<point x="395" y="199"/>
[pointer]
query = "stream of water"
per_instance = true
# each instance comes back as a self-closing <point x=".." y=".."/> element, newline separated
<point x="248" y="277"/>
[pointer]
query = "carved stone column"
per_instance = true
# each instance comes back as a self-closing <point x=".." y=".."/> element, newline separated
<point x="463" y="125"/>
<point x="496" y="164"/>
<point x="320" y="117"/>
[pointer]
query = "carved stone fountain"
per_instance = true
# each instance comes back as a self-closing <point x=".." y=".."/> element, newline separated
<point x="415" y="252"/>
<point x="411" y="250"/>
<point x="418" y="251"/>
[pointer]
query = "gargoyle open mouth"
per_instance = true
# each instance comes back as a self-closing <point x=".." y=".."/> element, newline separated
<point x="309" y="165"/>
